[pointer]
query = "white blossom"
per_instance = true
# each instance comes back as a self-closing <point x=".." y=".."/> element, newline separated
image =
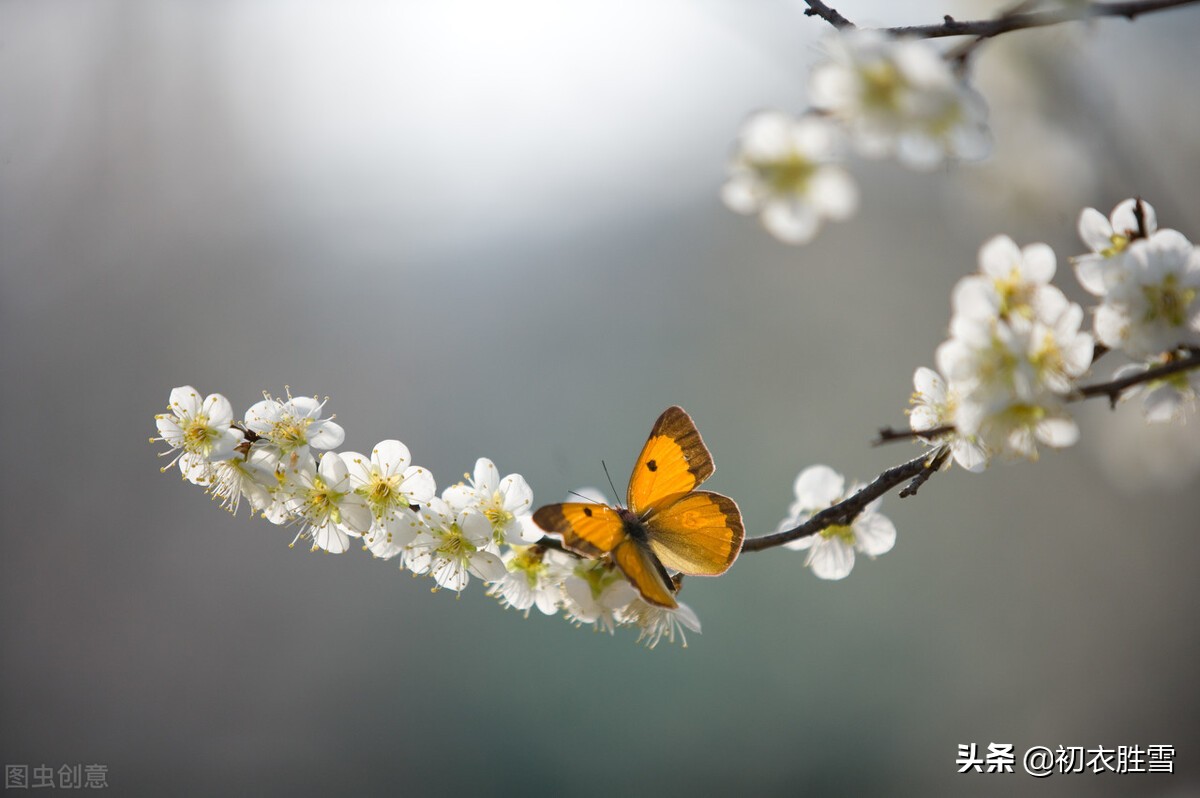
<point x="289" y="428"/>
<point x="900" y="97"/>
<point x="327" y="508"/>
<point x="1152" y="297"/>
<point x="596" y="593"/>
<point x="534" y="577"/>
<point x="453" y="546"/>
<point x="506" y="503"/>
<point x="1012" y="378"/>
<point x="251" y="477"/>
<point x="1109" y="238"/>
<point x="1012" y="282"/>
<point x="831" y="551"/>
<point x="391" y="488"/>
<point x="934" y="406"/>
<point x="198" y="427"/>
<point x="654" y="622"/>
<point x="785" y="171"/>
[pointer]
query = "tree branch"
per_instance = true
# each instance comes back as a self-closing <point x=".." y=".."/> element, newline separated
<point x="987" y="28"/>
<point x="891" y="434"/>
<point x="1114" y="388"/>
<point x="918" y="470"/>
<point x="818" y="9"/>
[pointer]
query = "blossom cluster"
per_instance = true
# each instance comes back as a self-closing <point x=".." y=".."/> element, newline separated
<point x="280" y="462"/>
<point x="1017" y="346"/>
<point x="884" y="97"/>
<point x="1148" y="283"/>
<point x="1017" y="350"/>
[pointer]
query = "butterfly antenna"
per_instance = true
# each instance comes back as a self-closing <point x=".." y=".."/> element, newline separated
<point x="587" y="499"/>
<point x="616" y="495"/>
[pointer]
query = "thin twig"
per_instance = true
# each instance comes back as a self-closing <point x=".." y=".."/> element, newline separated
<point x="961" y="54"/>
<point x="987" y="28"/>
<point x="936" y="461"/>
<point x="250" y="434"/>
<point x="1114" y="388"/>
<point x="818" y="9"/>
<point x="1139" y="213"/>
<point x="845" y="511"/>
<point x="891" y="434"/>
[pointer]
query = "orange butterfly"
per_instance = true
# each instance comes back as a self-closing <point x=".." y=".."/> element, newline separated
<point x="668" y="524"/>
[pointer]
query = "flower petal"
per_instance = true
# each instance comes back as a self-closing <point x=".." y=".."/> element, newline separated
<point x="999" y="256"/>
<point x="1095" y="230"/>
<point x="518" y="496"/>
<point x="391" y="456"/>
<point x="819" y="486"/>
<point x="487" y="566"/>
<point x="874" y="534"/>
<point x="831" y="559"/>
<point x="325" y="435"/>
<point x="418" y="485"/>
<point x="185" y="401"/>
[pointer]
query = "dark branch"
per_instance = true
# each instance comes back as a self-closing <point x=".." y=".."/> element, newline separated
<point x="1139" y="213"/>
<point x="937" y="460"/>
<point x="844" y="512"/>
<point x="250" y="434"/>
<point x="1114" y="388"/>
<point x="818" y="9"/>
<point x="959" y="56"/>
<point x="918" y="470"/>
<point x="987" y="28"/>
<point x="891" y="434"/>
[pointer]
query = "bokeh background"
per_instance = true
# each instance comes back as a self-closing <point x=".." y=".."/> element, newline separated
<point x="494" y="229"/>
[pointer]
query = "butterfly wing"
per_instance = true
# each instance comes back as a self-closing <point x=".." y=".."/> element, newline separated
<point x="647" y="574"/>
<point x="587" y="529"/>
<point x="673" y="461"/>
<point x="700" y="534"/>
<point x="593" y="530"/>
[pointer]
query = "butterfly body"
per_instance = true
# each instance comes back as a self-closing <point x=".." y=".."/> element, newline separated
<point x="667" y="523"/>
<point x="635" y="527"/>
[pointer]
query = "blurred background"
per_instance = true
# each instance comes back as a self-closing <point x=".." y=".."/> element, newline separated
<point x="494" y="229"/>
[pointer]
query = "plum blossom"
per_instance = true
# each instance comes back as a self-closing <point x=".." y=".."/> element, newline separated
<point x="785" y="170"/>
<point x="654" y="622"/>
<point x="934" y="405"/>
<point x="900" y="97"/>
<point x="453" y="546"/>
<point x="1109" y="238"/>
<point x="831" y="551"/>
<point x="289" y="428"/>
<point x="1151" y="301"/>
<point x="1012" y="282"/>
<point x="506" y="503"/>
<point x="596" y="593"/>
<point x="328" y="509"/>
<point x="534" y="578"/>
<point x="201" y="428"/>
<point x="391" y="488"/>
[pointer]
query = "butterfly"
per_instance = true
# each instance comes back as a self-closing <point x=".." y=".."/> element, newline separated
<point x="667" y="523"/>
